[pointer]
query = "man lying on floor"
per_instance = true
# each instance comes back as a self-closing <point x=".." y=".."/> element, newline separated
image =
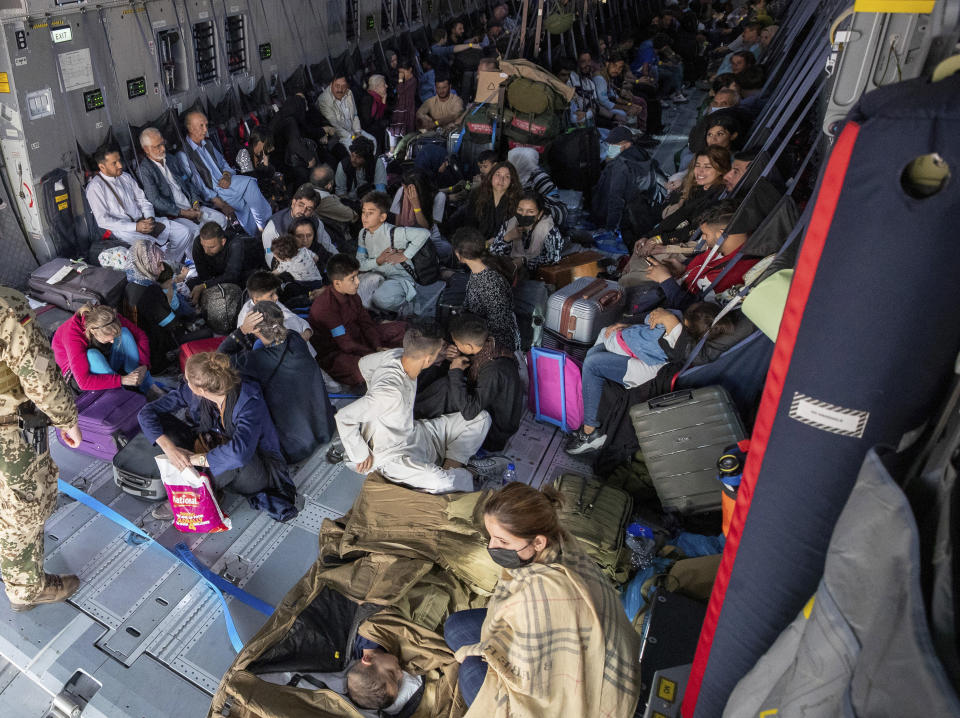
<point x="376" y="681"/>
<point x="379" y="432"/>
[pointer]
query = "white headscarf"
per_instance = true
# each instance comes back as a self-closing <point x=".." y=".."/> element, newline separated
<point x="525" y="160"/>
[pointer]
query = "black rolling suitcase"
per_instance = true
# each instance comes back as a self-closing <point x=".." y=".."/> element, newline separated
<point x="681" y="435"/>
<point x="135" y="470"/>
<point x="452" y="299"/>
<point x="530" y="307"/>
<point x="574" y="159"/>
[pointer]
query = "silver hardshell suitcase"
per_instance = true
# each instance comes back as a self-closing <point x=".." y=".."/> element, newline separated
<point x="681" y="435"/>
<point x="582" y="308"/>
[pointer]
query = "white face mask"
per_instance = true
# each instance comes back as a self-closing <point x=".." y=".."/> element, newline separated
<point x="613" y="151"/>
<point x="409" y="685"/>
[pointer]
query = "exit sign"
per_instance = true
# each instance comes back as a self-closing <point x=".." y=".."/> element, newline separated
<point x="61" y="34"/>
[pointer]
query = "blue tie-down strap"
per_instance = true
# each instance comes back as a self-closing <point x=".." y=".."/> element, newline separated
<point x="182" y="553"/>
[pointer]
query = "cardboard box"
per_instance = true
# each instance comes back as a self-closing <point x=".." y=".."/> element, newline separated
<point x="488" y="86"/>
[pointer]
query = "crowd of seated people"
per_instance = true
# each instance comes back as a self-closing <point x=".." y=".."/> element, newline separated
<point x="332" y="269"/>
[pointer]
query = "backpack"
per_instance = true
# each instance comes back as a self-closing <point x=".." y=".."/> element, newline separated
<point x="425" y="267"/>
<point x="532" y="97"/>
<point x="530" y="128"/>
<point x="597" y="515"/>
<point x="220" y="305"/>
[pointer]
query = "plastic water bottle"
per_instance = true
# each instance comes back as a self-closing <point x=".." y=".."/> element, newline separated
<point x="642" y="542"/>
<point x="509" y="475"/>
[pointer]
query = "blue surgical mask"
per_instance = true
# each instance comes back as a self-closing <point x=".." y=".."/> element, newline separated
<point x="612" y="151"/>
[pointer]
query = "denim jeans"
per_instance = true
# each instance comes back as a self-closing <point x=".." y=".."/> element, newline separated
<point x="124" y="358"/>
<point x="463" y="629"/>
<point x="599" y="366"/>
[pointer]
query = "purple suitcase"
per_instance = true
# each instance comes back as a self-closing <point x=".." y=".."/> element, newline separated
<point x="108" y="419"/>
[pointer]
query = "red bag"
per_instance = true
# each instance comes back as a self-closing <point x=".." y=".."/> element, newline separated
<point x="197" y="346"/>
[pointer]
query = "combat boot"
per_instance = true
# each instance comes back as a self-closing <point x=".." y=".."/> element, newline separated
<point x="56" y="588"/>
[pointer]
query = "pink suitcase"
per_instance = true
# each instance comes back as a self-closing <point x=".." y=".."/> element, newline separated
<point x="555" y="390"/>
<point x="108" y="420"/>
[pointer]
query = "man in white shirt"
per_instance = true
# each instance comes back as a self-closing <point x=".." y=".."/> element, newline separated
<point x="338" y="107"/>
<point x="379" y="432"/>
<point x="386" y="256"/>
<point x="166" y="185"/>
<point x="120" y="206"/>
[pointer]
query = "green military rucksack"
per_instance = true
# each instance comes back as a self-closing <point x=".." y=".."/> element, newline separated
<point x="533" y="98"/>
<point x="558" y="23"/>
<point x="597" y="515"/>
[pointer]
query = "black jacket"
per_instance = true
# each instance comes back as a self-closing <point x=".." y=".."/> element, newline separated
<point x="621" y="181"/>
<point x="231" y="265"/>
<point x="292" y="386"/>
<point x="498" y="391"/>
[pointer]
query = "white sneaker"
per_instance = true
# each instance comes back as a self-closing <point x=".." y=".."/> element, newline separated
<point x="581" y="443"/>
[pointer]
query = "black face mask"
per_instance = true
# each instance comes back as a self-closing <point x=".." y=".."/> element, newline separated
<point x="526" y="220"/>
<point x="508" y="558"/>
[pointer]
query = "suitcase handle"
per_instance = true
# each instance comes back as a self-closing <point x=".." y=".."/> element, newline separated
<point x="609" y="299"/>
<point x="674" y="397"/>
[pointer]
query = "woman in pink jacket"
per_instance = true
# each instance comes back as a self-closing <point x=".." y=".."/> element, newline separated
<point x="99" y="349"/>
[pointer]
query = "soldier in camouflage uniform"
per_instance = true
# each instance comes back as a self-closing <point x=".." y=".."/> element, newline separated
<point x="28" y="482"/>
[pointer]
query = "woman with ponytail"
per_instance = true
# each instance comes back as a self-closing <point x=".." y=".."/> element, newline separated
<point x="553" y="640"/>
<point x="489" y="292"/>
<point x="226" y="430"/>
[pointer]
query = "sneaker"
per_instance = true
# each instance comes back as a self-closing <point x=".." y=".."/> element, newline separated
<point x="581" y="443"/>
<point x="679" y="97"/>
<point x="335" y="454"/>
<point x="56" y="588"/>
<point x="162" y="511"/>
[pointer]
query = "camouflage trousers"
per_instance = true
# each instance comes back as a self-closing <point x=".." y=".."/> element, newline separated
<point x="28" y="496"/>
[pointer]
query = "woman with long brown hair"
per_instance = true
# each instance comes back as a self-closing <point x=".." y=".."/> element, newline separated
<point x="493" y="202"/>
<point x="227" y="429"/>
<point x="554" y="640"/>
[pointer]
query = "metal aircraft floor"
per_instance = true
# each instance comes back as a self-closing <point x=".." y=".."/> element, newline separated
<point x="143" y="625"/>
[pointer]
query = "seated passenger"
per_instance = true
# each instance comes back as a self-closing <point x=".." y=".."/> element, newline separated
<point x="361" y="170"/>
<point x="632" y="355"/>
<point x="530" y="238"/>
<point x="167" y="185"/>
<point x="624" y="175"/>
<point x="161" y="311"/>
<point x="491" y="203"/>
<point x="418" y="204"/>
<point x="379" y="432"/>
<point x="279" y="360"/>
<point x="344" y="332"/>
<point x="330" y="207"/>
<point x="377" y="682"/>
<point x="340" y="110"/>
<point x="98" y="349"/>
<point x="489" y="294"/>
<point x="303" y="205"/>
<point x="226" y="428"/>
<point x="526" y="160"/>
<point x="260" y="160"/>
<point x="443" y="110"/>
<point x="297" y="261"/>
<point x="705" y="267"/>
<point x="265" y="287"/>
<point x="218" y="261"/>
<point x="213" y="177"/>
<point x="483" y="376"/>
<point x="550" y="588"/>
<point x="738" y="168"/>
<point x="385" y="254"/>
<point x="120" y="206"/>
<point x="749" y="84"/>
<point x="372" y="110"/>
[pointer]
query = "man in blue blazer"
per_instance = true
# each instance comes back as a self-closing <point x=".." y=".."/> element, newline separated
<point x="166" y="183"/>
<point x="212" y="177"/>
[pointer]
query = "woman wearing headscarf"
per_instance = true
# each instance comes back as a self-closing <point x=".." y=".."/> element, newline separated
<point x="526" y="160"/>
<point x="158" y="308"/>
<point x="372" y="109"/>
<point x="279" y="360"/>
